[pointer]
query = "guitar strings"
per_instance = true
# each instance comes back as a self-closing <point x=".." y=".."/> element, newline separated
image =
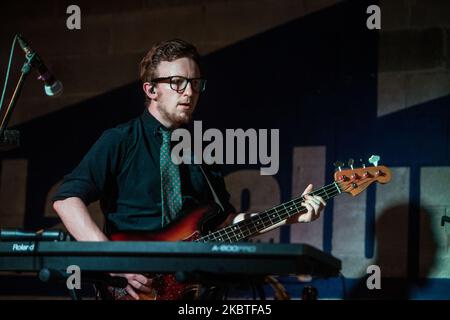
<point x="280" y="213"/>
<point x="265" y="217"/>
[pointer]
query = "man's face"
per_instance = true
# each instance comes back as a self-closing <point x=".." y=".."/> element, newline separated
<point x="175" y="107"/>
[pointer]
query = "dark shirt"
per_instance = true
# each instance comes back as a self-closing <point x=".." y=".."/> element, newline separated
<point x="122" y="170"/>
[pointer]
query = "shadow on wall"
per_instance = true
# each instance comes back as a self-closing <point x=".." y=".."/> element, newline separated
<point x="389" y="257"/>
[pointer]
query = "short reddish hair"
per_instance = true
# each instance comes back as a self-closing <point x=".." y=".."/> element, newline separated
<point x="169" y="50"/>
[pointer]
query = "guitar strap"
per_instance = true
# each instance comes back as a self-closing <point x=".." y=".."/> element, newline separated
<point x="216" y="198"/>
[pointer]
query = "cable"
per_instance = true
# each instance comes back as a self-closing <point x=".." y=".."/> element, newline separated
<point x="7" y="72"/>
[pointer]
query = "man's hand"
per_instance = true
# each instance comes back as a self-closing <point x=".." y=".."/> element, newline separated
<point x="314" y="204"/>
<point x="137" y="282"/>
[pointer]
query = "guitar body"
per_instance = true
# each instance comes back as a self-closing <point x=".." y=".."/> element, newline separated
<point x="187" y="228"/>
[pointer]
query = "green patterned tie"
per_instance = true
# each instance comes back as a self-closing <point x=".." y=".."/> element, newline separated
<point x="170" y="181"/>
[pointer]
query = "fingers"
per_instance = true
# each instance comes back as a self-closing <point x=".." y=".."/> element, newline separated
<point x="138" y="285"/>
<point x="131" y="292"/>
<point x="306" y="217"/>
<point x="308" y="189"/>
<point x="136" y="282"/>
<point x="139" y="281"/>
<point x="315" y="200"/>
<point x="142" y="279"/>
<point x="313" y="205"/>
<point x="318" y="199"/>
<point x="308" y="205"/>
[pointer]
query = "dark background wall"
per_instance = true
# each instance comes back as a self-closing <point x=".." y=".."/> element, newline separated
<point x="312" y="69"/>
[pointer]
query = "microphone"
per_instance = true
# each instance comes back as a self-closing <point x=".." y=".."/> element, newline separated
<point x="52" y="86"/>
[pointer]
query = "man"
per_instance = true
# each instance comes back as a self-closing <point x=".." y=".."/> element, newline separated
<point x="128" y="167"/>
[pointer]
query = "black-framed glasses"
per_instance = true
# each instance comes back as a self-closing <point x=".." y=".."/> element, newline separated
<point x="179" y="83"/>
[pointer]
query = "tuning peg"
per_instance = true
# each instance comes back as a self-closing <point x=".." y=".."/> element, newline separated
<point x="350" y="163"/>
<point x="374" y="160"/>
<point x="362" y="163"/>
<point x="339" y="165"/>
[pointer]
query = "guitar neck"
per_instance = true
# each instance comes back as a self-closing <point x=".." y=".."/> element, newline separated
<point x="254" y="225"/>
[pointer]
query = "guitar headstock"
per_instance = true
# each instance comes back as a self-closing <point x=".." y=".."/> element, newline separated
<point x="354" y="181"/>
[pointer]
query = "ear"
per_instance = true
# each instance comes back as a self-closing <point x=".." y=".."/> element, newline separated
<point x="149" y="90"/>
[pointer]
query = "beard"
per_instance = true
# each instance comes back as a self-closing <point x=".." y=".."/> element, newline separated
<point x="177" y="117"/>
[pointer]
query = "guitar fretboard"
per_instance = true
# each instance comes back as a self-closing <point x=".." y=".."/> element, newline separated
<point x="259" y="222"/>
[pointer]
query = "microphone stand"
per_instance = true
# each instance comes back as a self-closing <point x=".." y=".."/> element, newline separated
<point x="10" y="138"/>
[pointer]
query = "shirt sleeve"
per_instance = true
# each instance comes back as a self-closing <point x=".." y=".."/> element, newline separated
<point x="88" y="180"/>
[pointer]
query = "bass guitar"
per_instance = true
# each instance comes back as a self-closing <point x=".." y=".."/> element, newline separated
<point x="193" y="225"/>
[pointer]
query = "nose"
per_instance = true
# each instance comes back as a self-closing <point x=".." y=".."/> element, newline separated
<point x="188" y="90"/>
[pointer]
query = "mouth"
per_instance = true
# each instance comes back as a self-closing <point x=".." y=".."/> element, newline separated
<point x="185" y="106"/>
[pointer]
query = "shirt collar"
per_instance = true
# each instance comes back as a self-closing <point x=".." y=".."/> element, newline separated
<point x="151" y="124"/>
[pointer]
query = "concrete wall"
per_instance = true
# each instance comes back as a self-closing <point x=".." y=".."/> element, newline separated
<point x="414" y="62"/>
